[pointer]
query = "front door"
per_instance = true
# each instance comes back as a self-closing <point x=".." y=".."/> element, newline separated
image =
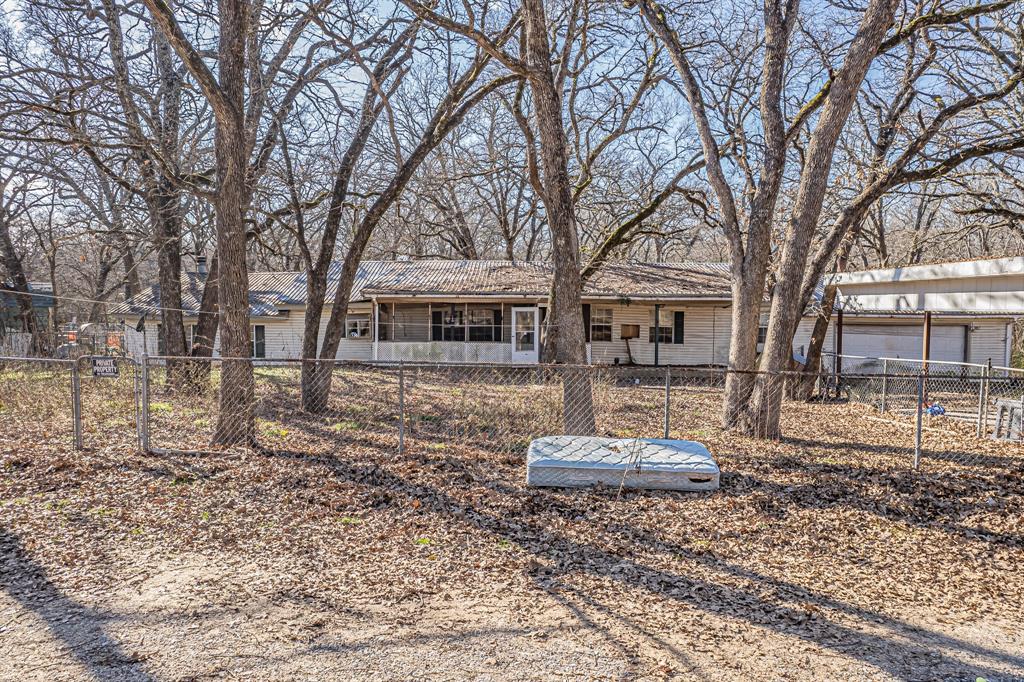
<point x="524" y="334"/>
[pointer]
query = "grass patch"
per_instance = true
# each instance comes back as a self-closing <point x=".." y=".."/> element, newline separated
<point x="271" y="429"/>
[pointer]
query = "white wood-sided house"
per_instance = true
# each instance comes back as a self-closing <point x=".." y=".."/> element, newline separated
<point x="493" y="312"/>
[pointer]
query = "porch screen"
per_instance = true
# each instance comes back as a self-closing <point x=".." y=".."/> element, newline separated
<point x="481" y="324"/>
<point x="484" y="324"/>
<point x="448" y="324"/>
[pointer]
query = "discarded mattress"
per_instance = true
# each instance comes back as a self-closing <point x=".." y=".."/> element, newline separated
<point x="580" y="461"/>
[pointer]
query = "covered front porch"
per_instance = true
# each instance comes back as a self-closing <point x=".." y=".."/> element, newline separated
<point x="510" y="331"/>
<point x="457" y="331"/>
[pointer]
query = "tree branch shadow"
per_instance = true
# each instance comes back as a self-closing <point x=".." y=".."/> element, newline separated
<point x="569" y="555"/>
<point x="79" y="629"/>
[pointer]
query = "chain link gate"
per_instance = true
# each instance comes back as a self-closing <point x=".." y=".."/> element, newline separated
<point x="106" y="401"/>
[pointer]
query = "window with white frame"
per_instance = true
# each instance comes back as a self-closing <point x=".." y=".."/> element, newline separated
<point x="663" y="329"/>
<point x="601" y="324"/>
<point x="670" y="327"/>
<point x="259" y="341"/>
<point x="357" y="327"/>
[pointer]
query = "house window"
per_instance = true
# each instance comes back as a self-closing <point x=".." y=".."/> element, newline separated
<point x="483" y="324"/>
<point x="453" y="324"/>
<point x="161" y="347"/>
<point x="601" y="324"/>
<point x="671" y="327"/>
<point x="259" y="341"/>
<point x="357" y="326"/>
<point x="190" y="338"/>
<point x="762" y="335"/>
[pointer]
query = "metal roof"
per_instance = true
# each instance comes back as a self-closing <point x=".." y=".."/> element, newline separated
<point x="268" y="291"/>
<point x="264" y="295"/>
<point x="988" y="267"/>
<point x="41" y="292"/>
<point x="508" y="278"/>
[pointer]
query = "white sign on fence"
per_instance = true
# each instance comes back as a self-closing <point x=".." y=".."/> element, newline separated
<point x="104" y="367"/>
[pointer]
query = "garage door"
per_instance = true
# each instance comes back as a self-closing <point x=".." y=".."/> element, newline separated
<point x="903" y="341"/>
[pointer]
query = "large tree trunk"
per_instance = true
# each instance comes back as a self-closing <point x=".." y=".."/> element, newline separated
<point x="787" y="304"/>
<point x="747" y="299"/>
<point x="236" y="420"/>
<point x="802" y="387"/>
<point x="804" y="384"/>
<point x="749" y="249"/>
<point x="99" y="291"/>
<point x="167" y="243"/>
<point x="197" y="369"/>
<point x="19" y="282"/>
<point x="167" y="228"/>
<point x="566" y="310"/>
<point x="313" y="395"/>
<point x="207" y="322"/>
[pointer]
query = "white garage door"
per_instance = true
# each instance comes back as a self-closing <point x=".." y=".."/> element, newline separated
<point x="903" y="341"/>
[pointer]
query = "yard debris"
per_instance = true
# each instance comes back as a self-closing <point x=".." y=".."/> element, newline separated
<point x="825" y="538"/>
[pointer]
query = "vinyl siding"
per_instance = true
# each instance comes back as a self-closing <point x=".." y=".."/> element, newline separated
<point x="802" y="339"/>
<point x="348" y="349"/>
<point x="705" y="336"/>
<point x="988" y="341"/>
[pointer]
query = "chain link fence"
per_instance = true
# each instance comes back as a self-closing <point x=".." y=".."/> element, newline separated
<point x="945" y="400"/>
<point x="962" y="414"/>
<point x="109" y="401"/>
<point x="37" y="402"/>
<point x="184" y="398"/>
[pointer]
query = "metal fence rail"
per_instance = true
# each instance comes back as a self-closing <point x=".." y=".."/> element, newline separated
<point x="166" y="404"/>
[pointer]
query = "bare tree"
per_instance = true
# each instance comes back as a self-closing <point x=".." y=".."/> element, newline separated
<point x="749" y="224"/>
<point x="15" y="201"/>
<point x="462" y="96"/>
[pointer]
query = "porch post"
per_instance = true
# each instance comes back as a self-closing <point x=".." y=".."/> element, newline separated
<point x="657" y="330"/>
<point x="376" y="323"/>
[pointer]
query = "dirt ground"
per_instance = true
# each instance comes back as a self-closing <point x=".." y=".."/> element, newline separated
<point x="822" y="557"/>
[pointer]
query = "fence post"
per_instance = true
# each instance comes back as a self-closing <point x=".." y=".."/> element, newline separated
<point x="885" y="383"/>
<point x="920" y="418"/>
<point x="668" y="397"/>
<point x="401" y="407"/>
<point x="981" y="401"/>
<point x="76" y="404"/>
<point x="144" y="411"/>
<point x="136" y="399"/>
<point x="988" y="389"/>
<point x="1020" y="425"/>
